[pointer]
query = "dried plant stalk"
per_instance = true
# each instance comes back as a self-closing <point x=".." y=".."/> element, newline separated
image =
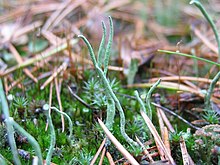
<point x="118" y="145"/>
<point x="98" y="152"/>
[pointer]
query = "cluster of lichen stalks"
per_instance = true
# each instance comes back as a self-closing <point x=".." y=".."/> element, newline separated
<point x="11" y="125"/>
<point x="111" y="105"/>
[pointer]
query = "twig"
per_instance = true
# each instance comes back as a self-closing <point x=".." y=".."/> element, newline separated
<point x="80" y="100"/>
<point x="174" y="114"/>
<point x="162" y="114"/>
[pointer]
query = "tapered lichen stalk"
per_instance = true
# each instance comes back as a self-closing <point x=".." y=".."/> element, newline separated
<point x="208" y="18"/>
<point x="9" y="127"/>
<point x="102" y="46"/>
<point x="109" y="45"/>
<point x="102" y="75"/>
<point x="210" y="90"/>
<point x="70" y="123"/>
<point x="111" y="113"/>
<point x="46" y="108"/>
<point x="2" y="160"/>
<point x="149" y="96"/>
<point x="217" y="76"/>
<point x="30" y="138"/>
<point x="140" y="102"/>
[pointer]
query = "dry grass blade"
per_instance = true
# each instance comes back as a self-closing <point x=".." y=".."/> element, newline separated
<point x="173" y="86"/>
<point x="54" y="15"/>
<point x="20" y="61"/>
<point x="110" y="159"/>
<point x="182" y="78"/>
<point x="34" y="9"/>
<point x="161" y="123"/>
<point x="102" y="156"/>
<point x="66" y="11"/>
<point x="59" y="102"/>
<point x="47" y="53"/>
<point x="184" y="152"/>
<point x="118" y="145"/>
<point x="98" y="152"/>
<point x="54" y="75"/>
<point x="50" y="102"/>
<point x="166" y="139"/>
<point x="164" y="117"/>
<point x="205" y="40"/>
<point x="157" y="138"/>
<point x="145" y="151"/>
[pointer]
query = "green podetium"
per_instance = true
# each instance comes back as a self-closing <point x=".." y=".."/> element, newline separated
<point x="114" y="102"/>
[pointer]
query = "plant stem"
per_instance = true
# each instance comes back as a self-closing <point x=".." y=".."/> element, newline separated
<point x="9" y="127"/>
<point x="102" y="45"/>
<point x="53" y="139"/>
<point x="109" y="45"/>
<point x="118" y="105"/>
<point x="217" y="76"/>
<point x="2" y="160"/>
<point x="149" y="96"/>
<point x="191" y="56"/>
<point x="210" y="90"/>
<point x="70" y="122"/>
<point x="110" y="113"/>
<point x="30" y="138"/>
<point x="106" y="84"/>
<point x="209" y="19"/>
<point x="140" y="101"/>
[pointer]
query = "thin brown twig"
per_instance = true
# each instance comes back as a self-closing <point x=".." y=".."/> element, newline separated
<point x="110" y="159"/>
<point x="59" y="102"/>
<point x="118" y="145"/>
<point x="50" y="102"/>
<point x="55" y="14"/>
<point x="157" y="138"/>
<point x="20" y="61"/>
<point x="54" y="75"/>
<point x="145" y="150"/>
<point x="98" y="152"/>
<point x="174" y="114"/>
<point x="102" y="156"/>
<point x="184" y="151"/>
<point x="182" y="78"/>
<point x="166" y="140"/>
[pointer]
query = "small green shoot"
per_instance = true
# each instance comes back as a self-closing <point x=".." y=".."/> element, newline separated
<point x="106" y="84"/>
